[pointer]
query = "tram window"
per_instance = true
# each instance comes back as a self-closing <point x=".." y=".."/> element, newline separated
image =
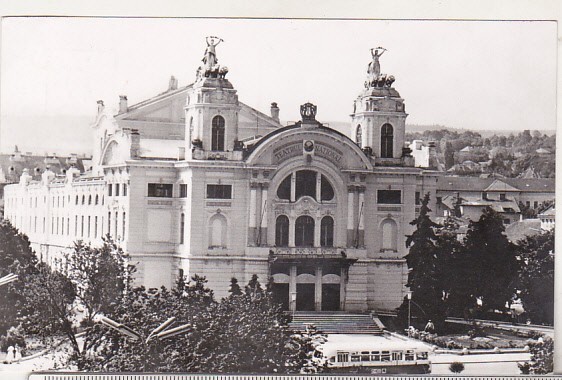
<point x="422" y="355"/>
<point x="410" y="355"/>
<point x="396" y="355"/>
<point x="343" y="357"/>
<point x="375" y="356"/>
<point x="355" y="357"/>
<point x="365" y="357"/>
<point x="385" y="356"/>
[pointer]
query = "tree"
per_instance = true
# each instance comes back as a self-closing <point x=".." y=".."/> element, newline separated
<point x="456" y="367"/>
<point x="487" y="264"/>
<point x="243" y="333"/>
<point x="50" y="297"/>
<point x="542" y="357"/>
<point x="100" y="275"/>
<point x="536" y="278"/>
<point x="17" y="257"/>
<point x="424" y="279"/>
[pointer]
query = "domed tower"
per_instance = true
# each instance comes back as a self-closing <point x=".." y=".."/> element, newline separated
<point x="211" y="111"/>
<point x="378" y="120"/>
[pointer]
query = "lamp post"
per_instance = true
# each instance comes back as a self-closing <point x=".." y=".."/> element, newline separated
<point x="294" y="302"/>
<point x="409" y="295"/>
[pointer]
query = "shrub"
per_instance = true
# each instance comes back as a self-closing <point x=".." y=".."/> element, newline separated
<point x="456" y="367"/>
<point x="13" y="337"/>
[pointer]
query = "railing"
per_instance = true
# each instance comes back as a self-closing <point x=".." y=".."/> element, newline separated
<point x="199" y="154"/>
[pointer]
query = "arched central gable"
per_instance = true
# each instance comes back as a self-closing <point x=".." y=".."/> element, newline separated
<point x="322" y="142"/>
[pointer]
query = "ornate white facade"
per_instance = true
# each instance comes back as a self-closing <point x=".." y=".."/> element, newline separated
<point x="193" y="181"/>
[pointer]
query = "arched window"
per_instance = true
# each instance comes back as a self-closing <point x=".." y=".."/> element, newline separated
<point x="97" y="199"/>
<point x="89" y="199"/>
<point x="327" y="232"/>
<point x="217" y="232"/>
<point x="83" y="199"/>
<point x="389" y="235"/>
<point x="359" y="136"/>
<point x="282" y="231"/>
<point x="387" y="138"/>
<point x="304" y="231"/>
<point x="306" y="183"/>
<point x="217" y="133"/>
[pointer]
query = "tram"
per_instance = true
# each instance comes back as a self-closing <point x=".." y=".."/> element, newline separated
<point x="376" y="355"/>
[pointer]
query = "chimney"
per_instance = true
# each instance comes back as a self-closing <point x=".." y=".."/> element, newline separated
<point x="47" y="176"/>
<point x="135" y="143"/>
<point x="123" y="107"/>
<point x="275" y="112"/>
<point x="71" y="173"/>
<point x="100" y="106"/>
<point x="173" y="85"/>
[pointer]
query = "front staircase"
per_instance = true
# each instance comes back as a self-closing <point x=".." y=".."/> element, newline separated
<point x="337" y="323"/>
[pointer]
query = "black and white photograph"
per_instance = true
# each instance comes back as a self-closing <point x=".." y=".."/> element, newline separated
<point x="277" y="196"/>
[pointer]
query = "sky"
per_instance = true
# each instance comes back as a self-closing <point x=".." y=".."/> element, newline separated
<point x="478" y="75"/>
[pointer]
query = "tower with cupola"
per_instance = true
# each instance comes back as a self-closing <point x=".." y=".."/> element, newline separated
<point x="378" y="120"/>
<point x="211" y="112"/>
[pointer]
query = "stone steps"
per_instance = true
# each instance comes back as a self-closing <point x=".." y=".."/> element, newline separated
<point x="336" y="323"/>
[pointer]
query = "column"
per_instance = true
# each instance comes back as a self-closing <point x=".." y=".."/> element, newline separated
<point x="369" y="133"/>
<point x="317" y="226"/>
<point x="343" y="277"/>
<point x="350" y="215"/>
<point x="293" y="186"/>
<point x="252" y="221"/>
<point x="263" y="215"/>
<point x="318" y="187"/>
<point x="318" y="289"/>
<point x="291" y="232"/>
<point x="293" y="288"/>
<point x="361" y="213"/>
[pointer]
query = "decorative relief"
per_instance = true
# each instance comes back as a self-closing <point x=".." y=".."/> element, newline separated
<point x="389" y="208"/>
<point x="218" y="204"/>
<point x="160" y="203"/>
<point x="306" y="251"/>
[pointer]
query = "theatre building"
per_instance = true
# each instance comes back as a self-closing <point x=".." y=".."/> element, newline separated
<point x="193" y="181"/>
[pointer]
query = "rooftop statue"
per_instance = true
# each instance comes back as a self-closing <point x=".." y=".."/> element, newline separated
<point x="374" y="68"/>
<point x="210" y="66"/>
<point x="374" y="76"/>
<point x="210" y="58"/>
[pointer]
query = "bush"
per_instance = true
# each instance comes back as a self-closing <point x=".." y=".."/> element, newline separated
<point x="456" y="367"/>
<point x="477" y="331"/>
<point x="542" y="357"/>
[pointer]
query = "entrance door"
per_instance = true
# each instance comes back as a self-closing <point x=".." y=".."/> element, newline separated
<point x="281" y="295"/>
<point x="305" y="297"/>
<point x="330" y="297"/>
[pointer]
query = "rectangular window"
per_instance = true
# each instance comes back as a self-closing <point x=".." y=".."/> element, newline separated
<point x="89" y="224"/>
<point x="110" y="190"/>
<point x="502" y="196"/>
<point x="116" y="189"/>
<point x="68" y="226"/>
<point x="82" y="227"/>
<point x="95" y="226"/>
<point x="219" y="191"/>
<point x="182" y="227"/>
<point x="163" y="190"/>
<point x="76" y="225"/>
<point x="124" y="219"/>
<point x="124" y="190"/>
<point x="528" y="203"/>
<point x="109" y="223"/>
<point x="62" y="225"/>
<point x="535" y="204"/>
<point x="183" y="190"/>
<point x="43" y="224"/>
<point x="115" y="225"/>
<point x="389" y="197"/>
<point x="418" y="200"/>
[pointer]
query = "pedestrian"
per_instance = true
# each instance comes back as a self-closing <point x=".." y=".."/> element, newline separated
<point x="10" y="357"/>
<point x="17" y="353"/>
<point x="429" y="327"/>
